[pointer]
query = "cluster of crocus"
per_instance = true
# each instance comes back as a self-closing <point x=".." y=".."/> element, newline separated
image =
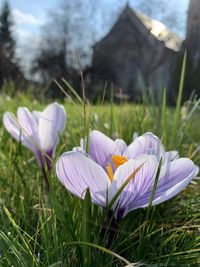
<point x="108" y="165"/>
<point x="38" y="131"/>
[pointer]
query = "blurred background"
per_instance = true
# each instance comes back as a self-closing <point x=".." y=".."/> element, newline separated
<point x="131" y="46"/>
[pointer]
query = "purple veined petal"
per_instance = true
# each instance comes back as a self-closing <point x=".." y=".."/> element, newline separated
<point x="147" y="143"/>
<point x="102" y="148"/>
<point x="77" y="173"/>
<point x="37" y="115"/>
<point x="121" y="145"/>
<point x="28" y="122"/>
<point x="52" y="122"/>
<point x="171" y="155"/>
<point x="13" y="127"/>
<point x="29" y="127"/>
<point x="143" y="179"/>
<point x="174" y="177"/>
<point x="174" y="173"/>
<point x="177" y="188"/>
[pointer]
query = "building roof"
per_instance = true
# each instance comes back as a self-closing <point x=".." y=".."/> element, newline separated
<point x="161" y="32"/>
<point x="145" y="24"/>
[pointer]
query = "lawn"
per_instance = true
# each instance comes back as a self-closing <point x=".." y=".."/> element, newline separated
<point x="57" y="229"/>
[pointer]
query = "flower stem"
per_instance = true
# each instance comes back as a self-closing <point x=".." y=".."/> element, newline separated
<point x="46" y="180"/>
<point x="108" y="230"/>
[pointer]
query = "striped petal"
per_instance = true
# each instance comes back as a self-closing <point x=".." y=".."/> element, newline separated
<point x="11" y="125"/>
<point x="19" y="130"/>
<point x="148" y="144"/>
<point x="174" y="177"/>
<point x="143" y="179"/>
<point x="28" y="123"/>
<point x="102" y="148"/>
<point x="52" y="122"/>
<point x="37" y="115"/>
<point x="121" y="145"/>
<point x="78" y="172"/>
<point x="171" y="155"/>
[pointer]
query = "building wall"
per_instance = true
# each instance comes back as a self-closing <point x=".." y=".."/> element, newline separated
<point x="193" y="30"/>
<point x="130" y="54"/>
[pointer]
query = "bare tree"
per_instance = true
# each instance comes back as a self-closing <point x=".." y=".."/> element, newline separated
<point x="63" y="36"/>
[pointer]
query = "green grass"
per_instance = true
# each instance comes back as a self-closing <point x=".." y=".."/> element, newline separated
<point x="61" y="230"/>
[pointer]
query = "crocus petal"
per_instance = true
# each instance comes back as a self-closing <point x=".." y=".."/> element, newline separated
<point x="37" y="115"/>
<point x="174" y="177"/>
<point x="148" y="144"/>
<point x="173" y="191"/>
<point x="51" y="123"/>
<point x="13" y="127"/>
<point x="102" y="148"/>
<point x="121" y="145"/>
<point x="171" y="155"/>
<point x="174" y="172"/>
<point x="77" y="173"/>
<point x="143" y="179"/>
<point x="28" y="122"/>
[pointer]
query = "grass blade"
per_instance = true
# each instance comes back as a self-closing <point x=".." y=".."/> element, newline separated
<point x="110" y="252"/>
<point x="72" y="91"/>
<point x="177" y="116"/>
<point x="164" y="116"/>
<point x="26" y="245"/>
<point x="86" y="213"/>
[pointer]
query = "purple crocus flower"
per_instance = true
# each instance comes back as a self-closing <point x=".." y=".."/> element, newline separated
<point x="38" y="131"/>
<point x="109" y="163"/>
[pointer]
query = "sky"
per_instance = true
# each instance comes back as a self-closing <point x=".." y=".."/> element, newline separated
<point x="30" y="15"/>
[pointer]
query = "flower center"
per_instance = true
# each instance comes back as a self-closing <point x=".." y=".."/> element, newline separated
<point x="118" y="161"/>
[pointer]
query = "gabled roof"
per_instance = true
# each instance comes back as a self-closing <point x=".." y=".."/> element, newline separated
<point x="161" y="32"/>
<point x="145" y="24"/>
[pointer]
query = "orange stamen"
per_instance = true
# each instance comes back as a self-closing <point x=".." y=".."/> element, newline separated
<point x="109" y="172"/>
<point x="118" y="160"/>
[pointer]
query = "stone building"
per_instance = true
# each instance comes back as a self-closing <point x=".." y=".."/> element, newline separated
<point x="137" y="53"/>
<point x="193" y="31"/>
<point x="192" y="46"/>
